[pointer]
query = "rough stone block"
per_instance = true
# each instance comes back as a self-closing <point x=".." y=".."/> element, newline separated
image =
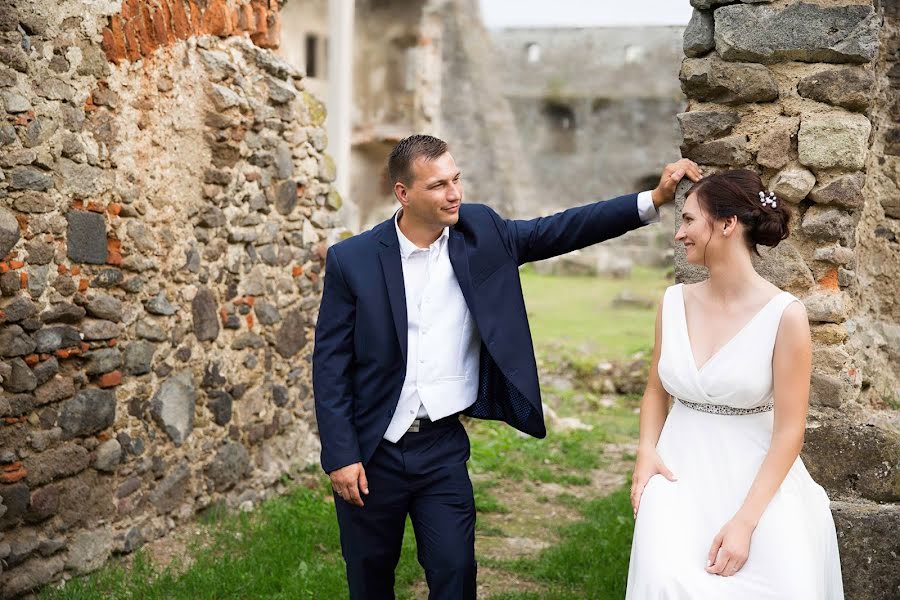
<point x="701" y="126"/>
<point x="173" y="406"/>
<point x="834" y="141"/>
<point x="714" y="80"/>
<point x="845" y="190"/>
<point x="867" y="540"/>
<point x="855" y="460"/>
<point x="291" y="337"/>
<point x="792" y="184"/>
<point x="229" y="467"/>
<point x="89" y="550"/>
<point x="56" y="463"/>
<point x="171" y="491"/>
<point x="86" y="237"/>
<point x="829" y="224"/>
<point x="9" y="232"/>
<point x="698" y="36"/>
<point x="90" y="411"/>
<point x="139" y="357"/>
<point x="828" y="307"/>
<point x="798" y="31"/>
<point x="850" y="88"/>
<point x="727" y="152"/>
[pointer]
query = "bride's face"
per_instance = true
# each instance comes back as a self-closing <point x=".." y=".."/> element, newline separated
<point x="696" y="232"/>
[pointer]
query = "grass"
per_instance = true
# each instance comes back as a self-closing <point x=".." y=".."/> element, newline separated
<point x="289" y="547"/>
<point x="577" y="312"/>
<point x="591" y="558"/>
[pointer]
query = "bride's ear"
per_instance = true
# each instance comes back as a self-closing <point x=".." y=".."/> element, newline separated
<point x="728" y="225"/>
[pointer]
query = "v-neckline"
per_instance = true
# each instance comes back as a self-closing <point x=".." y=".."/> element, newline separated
<point x="687" y="332"/>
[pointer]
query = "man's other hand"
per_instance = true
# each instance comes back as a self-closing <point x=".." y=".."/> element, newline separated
<point x="349" y="481"/>
<point x="671" y="175"/>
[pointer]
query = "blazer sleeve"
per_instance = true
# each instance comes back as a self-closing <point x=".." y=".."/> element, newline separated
<point x="332" y="377"/>
<point x="572" y="229"/>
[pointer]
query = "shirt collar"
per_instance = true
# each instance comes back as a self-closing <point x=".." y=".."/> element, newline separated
<point x="407" y="247"/>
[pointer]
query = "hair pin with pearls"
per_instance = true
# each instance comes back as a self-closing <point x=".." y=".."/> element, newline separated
<point x="768" y="200"/>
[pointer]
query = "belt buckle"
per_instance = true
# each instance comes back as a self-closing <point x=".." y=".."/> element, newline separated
<point x="414" y="427"/>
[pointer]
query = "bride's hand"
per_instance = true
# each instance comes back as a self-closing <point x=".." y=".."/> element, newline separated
<point x="647" y="465"/>
<point x="730" y="548"/>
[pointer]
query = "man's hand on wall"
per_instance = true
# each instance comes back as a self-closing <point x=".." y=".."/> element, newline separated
<point x="349" y="481"/>
<point x="671" y="175"/>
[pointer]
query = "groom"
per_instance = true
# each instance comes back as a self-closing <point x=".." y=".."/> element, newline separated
<point x="422" y="319"/>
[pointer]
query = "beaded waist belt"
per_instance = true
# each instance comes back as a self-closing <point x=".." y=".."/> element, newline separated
<point x="724" y="409"/>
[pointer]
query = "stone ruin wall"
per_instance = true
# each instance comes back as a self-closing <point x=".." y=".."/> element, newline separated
<point x="807" y="95"/>
<point x="165" y="204"/>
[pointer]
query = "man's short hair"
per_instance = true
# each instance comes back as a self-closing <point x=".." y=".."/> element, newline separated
<point x="408" y="150"/>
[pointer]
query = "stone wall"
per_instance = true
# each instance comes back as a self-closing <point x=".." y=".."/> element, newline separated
<point x="807" y="95"/>
<point x="164" y="205"/>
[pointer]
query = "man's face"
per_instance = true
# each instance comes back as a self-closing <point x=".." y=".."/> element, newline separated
<point x="435" y="192"/>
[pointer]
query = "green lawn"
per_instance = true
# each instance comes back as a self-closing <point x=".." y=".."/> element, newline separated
<point x="578" y="313"/>
<point x="289" y="547"/>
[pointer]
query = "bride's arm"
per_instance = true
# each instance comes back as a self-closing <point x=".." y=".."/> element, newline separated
<point x="791" y="369"/>
<point x="654" y="408"/>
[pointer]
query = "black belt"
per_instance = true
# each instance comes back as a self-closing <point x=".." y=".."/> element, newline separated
<point x="425" y="424"/>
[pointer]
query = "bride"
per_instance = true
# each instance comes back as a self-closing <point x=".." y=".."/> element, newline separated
<point x="724" y="506"/>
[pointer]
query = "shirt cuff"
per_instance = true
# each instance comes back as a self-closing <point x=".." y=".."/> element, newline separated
<point x="646" y="210"/>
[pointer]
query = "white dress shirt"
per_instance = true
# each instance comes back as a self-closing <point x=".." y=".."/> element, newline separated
<point x="443" y="344"/>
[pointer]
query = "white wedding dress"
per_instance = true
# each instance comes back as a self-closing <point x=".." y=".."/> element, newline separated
<point x="714" y="440"/>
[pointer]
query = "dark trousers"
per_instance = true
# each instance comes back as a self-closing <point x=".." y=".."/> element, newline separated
<point x="424" y="476"/>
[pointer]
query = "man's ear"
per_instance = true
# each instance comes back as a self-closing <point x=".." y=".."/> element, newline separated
<point x="400" y="193"/>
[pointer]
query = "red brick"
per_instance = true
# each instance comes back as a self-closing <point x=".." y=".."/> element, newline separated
<point x="297" y="271"/>
<point x="114" y="40"/>
<point x="83" y="285"/>
<point x="23" y="280"/>
<point x="13" y="476"/>
<point x="145" y="27"/>
<point x="110" y="379"/>
<point x="217" y="18"/>
<point x="159" y="18"/>
<point x="32" y="359"/>
<point x="114" y="208"/>
<point x="196" y="17"/>
<point x="16" y="264"/>
<point x="76" y="270"/>
<point x="250" y="321"/>
<point x="94" y="207"/>
<point x="830" y="280"/>
<point x="132" y="47"/>
<point x="181" y="24"/>
<point x="130" y="9"/>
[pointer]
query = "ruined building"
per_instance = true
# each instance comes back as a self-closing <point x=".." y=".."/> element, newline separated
<point x="166" y="202"/>
<point x="164" y="206"/>
<point x="808" y="94"/>
<point x="418" y="66"/>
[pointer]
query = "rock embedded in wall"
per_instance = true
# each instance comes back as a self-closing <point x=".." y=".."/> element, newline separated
<point x="711" y="79"/>
<point x="798" y="31"/>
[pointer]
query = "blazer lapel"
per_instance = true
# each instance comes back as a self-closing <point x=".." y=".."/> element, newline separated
<point x="393" y="279"/>
<point x="459" y="258"/>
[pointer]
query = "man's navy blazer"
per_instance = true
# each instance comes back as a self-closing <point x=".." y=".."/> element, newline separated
<point x="359" y="360"/>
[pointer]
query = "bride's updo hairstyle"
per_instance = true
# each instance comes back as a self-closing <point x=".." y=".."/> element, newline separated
<point x="737" y="193"/>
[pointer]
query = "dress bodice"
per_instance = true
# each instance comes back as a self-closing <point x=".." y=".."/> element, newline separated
<point x="738" y="374"/>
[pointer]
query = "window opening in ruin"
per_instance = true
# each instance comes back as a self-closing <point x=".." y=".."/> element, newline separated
<point x="562" y="126"/>
<point x="533" y="52"/>
<point x="312" y="48"/>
